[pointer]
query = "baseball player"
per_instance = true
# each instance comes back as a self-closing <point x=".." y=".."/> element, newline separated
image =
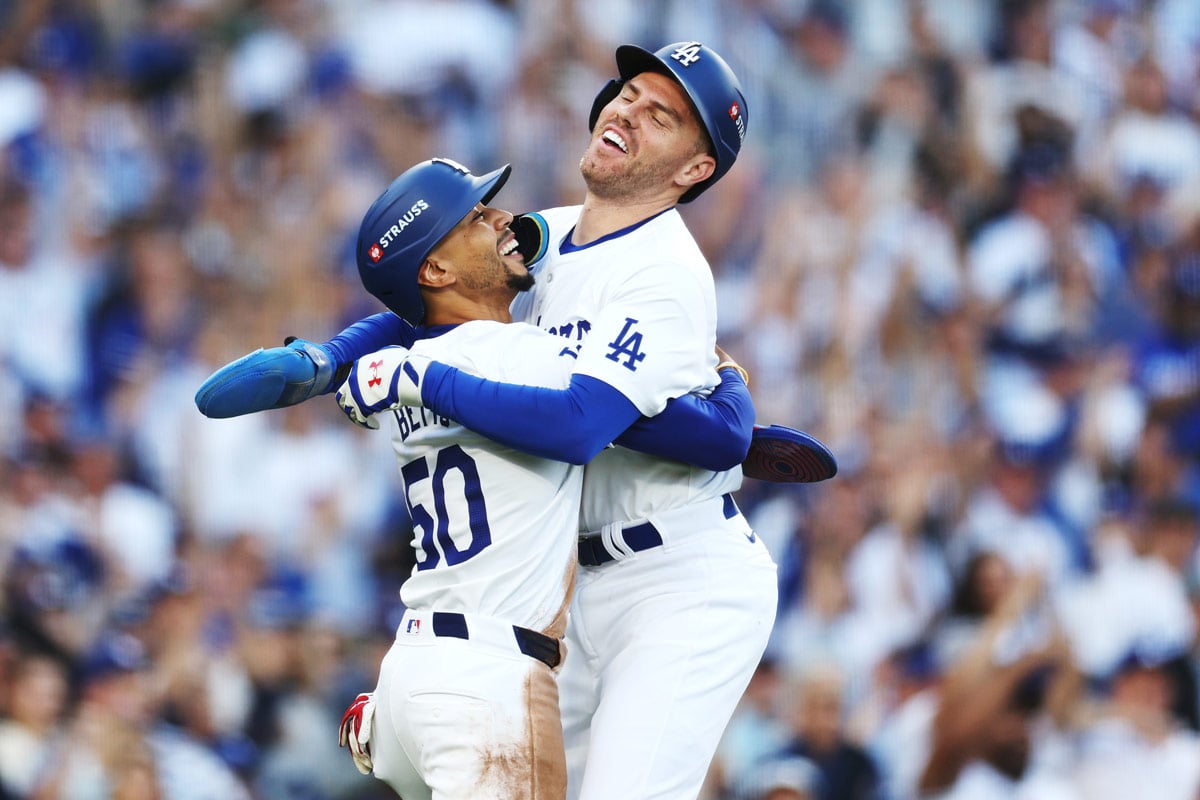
<point x="466" y="705"/>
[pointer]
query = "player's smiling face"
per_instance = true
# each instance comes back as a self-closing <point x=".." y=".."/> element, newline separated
<point x="481" y="250"/>
<point x="646" y="139"/>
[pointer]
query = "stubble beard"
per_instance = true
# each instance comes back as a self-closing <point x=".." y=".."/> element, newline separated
<point x="635" y="181"/>
<point x="495" y="271"/>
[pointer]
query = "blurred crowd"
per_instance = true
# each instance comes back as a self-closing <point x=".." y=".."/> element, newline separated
<point x="961" y="245"/>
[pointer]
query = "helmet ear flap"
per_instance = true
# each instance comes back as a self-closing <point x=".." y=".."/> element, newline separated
<point x="606" y="96"/>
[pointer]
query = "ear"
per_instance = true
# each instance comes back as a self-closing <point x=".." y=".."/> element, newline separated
<point x="698" y="169"/>
<point x="434" y="275"/>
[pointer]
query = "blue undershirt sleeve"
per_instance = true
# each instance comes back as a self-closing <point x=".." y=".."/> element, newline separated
<point x="712" y="433"/>
<point x="368" y="335"/>
<point x="572" y="424"/>
<point x="576" y="423"/>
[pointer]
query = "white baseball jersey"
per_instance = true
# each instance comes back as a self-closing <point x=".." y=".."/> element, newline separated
<point x="493" y="527"/>
<point x="639" y="311"/>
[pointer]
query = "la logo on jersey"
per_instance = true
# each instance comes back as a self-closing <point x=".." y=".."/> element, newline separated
<point x="687" y="54"/>
<point x="628" y="345"/>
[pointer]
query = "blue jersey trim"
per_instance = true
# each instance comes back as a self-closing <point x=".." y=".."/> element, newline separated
<point x="566" y="246"/>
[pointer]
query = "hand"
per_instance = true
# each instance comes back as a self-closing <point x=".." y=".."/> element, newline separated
<point x="355" y="731"/>
<point x="726" y="361"/>
<point x="387" y="378"/>
<point x="264" y="379"/>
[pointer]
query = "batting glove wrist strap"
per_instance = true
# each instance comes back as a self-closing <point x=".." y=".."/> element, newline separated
<point x="323" y="371"/>
<point x="355" y="731"/>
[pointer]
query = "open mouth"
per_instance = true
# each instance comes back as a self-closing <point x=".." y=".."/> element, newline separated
<point x="614" y="139"/>
<point x="509" y="247"/>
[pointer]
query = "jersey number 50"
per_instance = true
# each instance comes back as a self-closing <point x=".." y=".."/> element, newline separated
<point x="437" y="526"/>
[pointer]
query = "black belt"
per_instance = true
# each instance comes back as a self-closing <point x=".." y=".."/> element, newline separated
<point x="533" y="644"/>
<point x="593" y="551"/>
<point x="644" y="536"/>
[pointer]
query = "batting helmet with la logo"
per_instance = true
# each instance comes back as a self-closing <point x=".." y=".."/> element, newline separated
<point x="711" y="86"/>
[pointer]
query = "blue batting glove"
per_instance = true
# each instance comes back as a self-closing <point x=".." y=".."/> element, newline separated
<point x="273" y="378"/>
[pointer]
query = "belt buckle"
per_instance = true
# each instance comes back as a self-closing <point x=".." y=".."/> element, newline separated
<point x="591" y="551"/>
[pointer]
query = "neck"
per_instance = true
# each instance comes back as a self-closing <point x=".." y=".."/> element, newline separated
<point x="602" y="216"/>
<point x="460" y="309"/>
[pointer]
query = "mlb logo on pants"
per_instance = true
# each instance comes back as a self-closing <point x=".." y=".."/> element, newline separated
<point x="413" y="626"/>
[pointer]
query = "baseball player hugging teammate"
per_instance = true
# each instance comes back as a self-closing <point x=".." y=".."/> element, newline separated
<point x="674" y="596"/>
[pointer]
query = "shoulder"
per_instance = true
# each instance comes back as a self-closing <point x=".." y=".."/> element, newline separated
<point x="663" y="243"/>
<point x="455" y="346"/>
<point x="560" y="219"/>
<point x="668" y="240"/>
<point x="482" y="336"/>
<point x="504" y="351"/>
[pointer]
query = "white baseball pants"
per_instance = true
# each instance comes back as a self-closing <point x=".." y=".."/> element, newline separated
<point x="466" y="719"/>
<point x="661" y="646"/>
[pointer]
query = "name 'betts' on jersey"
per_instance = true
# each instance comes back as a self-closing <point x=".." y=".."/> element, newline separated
<point x="494" y="529"/>
<point x="639" y="310"/>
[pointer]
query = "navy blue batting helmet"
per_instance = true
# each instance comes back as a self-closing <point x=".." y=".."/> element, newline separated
<point x="710" y="84"/>
<point x="407" y="221"/>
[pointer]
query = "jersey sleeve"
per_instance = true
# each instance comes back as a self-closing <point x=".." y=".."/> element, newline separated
<point x="647" y="341"/>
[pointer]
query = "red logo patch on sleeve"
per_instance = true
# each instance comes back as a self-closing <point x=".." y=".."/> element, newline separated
<point x="734" y="111"/>
<point x="376" y="252"/>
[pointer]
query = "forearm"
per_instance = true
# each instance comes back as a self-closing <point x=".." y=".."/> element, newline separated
<point x="366" y="336"/>
<point x="712" y="433"/>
